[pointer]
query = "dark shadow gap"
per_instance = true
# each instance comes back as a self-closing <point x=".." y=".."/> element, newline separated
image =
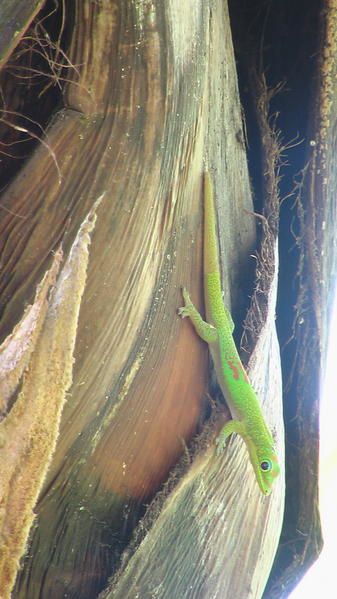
<point x="281" y="39"/>
<point x="31" y="85"/>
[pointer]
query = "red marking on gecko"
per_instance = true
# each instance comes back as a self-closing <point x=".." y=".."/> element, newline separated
<point x="234" y="370"/>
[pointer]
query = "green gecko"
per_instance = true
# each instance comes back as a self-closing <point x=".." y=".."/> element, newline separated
<point x="248" y="420"/>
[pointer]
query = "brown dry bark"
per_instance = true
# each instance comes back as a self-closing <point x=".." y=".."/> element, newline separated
<point x="15" y="16"/>
<point x="155" y="98"/>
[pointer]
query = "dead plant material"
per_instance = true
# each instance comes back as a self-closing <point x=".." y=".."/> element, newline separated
<point x="16" y="350"/>
<point x="4" y="114"/>
<point x="30" y="429"/>
<point x="40" y="61"/>
<point x="272" y="159"/>
<point x="39" y="64"/>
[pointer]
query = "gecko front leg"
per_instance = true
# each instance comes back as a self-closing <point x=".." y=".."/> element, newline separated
<point x="233" y="426"/>
<point x="205" y="330"/>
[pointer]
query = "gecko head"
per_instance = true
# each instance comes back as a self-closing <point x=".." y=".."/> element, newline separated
<point x="266" y="468"/>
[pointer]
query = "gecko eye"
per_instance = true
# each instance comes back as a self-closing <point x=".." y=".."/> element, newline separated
<point x="266" y="466"/>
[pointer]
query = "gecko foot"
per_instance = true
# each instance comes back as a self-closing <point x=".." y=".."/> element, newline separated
<point x="185" y="310"/>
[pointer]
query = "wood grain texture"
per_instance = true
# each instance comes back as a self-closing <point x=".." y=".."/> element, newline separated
<point x="157" y="96"/>
<point x="15" y="16"/>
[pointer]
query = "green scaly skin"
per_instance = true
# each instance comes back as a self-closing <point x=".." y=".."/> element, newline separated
<point x="248" y="420"/>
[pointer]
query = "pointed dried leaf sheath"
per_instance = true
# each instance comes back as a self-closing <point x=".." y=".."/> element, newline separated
<point x="42" y="345"/>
